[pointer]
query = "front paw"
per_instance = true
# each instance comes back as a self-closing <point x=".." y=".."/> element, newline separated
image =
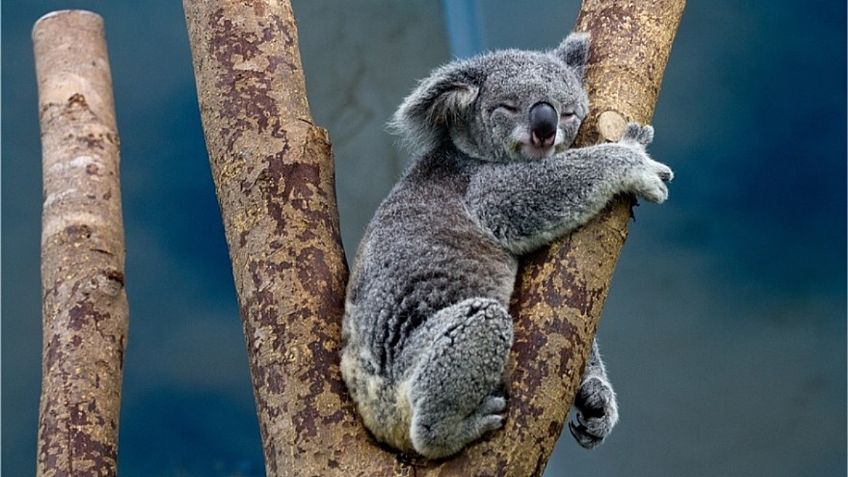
<point x="596" y="412"/>
<point x="646" y="177"/>
<point x="637" y="134"/>
<point x="649" y="180"/>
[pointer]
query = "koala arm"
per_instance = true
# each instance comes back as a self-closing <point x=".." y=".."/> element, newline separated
<point x="527" y="204"/>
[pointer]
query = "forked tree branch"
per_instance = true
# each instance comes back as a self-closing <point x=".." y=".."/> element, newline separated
<point x="273" y="173"/>
<point x="85" y="312"/>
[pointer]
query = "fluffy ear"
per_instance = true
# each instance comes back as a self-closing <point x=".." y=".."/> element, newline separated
<point x="574" y="51"/>
<point x="445" y="96"/>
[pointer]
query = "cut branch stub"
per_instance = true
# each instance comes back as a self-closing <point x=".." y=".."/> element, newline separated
<point x="85" y="313"/>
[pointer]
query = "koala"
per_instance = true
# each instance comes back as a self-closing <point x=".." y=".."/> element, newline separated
<point x="426" y="328"/>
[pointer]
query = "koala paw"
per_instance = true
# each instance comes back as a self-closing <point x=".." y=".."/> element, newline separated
<point x="489" y="415"/>
<point x="492" y="405"/>
<point x="596" y="412"/>
<point x="650" y="178"/>
<point x="637" y="134"/>
<point x="647" y="177"/>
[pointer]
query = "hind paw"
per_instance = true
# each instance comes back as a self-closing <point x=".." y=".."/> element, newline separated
<point x="596" y="412"/>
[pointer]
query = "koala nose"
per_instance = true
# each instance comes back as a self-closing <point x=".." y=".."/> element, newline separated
<point x="543" y="124"/>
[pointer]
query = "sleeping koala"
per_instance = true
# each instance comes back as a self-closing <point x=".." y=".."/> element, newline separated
<point x="426" y="328"/>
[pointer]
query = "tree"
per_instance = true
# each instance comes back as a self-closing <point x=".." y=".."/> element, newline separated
<point x="274" y="178"/>
<point x="273" y="173"/>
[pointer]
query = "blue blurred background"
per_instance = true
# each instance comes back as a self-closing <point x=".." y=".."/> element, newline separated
<point x="724" y="332"/>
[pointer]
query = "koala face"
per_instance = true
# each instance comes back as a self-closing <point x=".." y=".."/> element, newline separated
<point x="529" y="107"/>
<point x="503" y="106"/>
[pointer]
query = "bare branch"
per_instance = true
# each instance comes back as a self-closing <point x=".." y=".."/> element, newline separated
<point x="85" y="313"/>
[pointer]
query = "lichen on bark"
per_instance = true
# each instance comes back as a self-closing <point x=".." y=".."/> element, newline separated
<point x="85" y="312"/>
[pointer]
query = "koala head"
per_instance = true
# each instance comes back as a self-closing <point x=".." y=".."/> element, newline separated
<point x="503" y="106"/>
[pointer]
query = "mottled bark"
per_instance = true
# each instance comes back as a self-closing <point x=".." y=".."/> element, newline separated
<point x="85" y="312"/>
<point x="273" y="171"/>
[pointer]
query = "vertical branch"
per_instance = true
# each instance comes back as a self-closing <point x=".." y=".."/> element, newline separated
<point x="273" y="173"/>
<point x="85" y="313"/>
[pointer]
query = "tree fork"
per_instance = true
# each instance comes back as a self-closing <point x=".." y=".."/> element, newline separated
<point x="85" y="312"/>
<point x="273" y="172"/>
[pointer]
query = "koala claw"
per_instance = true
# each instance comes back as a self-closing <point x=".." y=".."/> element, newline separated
<point x="664" y="172"/>
<point x="492" y="422"/>
<point x="636" y="133"/>
<point x="651" y="187"/>
<point x="649" y="181"/>
<point x="596" y="413"/>
<point x="492" y="405"/>
<point x="490" y="413"/>
<point x="583" y="436"/>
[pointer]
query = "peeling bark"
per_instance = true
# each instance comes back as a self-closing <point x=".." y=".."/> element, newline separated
<point x="273" y="172"/>
<point x="85" y="313"/>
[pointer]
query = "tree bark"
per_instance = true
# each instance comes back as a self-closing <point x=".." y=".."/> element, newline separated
<point x="85" y="313"/>
<point x="273" y="171"/>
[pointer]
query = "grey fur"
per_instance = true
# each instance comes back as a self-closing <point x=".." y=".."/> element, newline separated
<point x="596" y="409"/>
<point x="426" y="328"/>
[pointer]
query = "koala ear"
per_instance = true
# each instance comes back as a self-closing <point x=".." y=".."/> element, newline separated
<point x="574" y="51"/>
<point x="422" y="120"/>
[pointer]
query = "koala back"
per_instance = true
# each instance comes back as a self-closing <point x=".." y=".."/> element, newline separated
<point x="421" y="252"/>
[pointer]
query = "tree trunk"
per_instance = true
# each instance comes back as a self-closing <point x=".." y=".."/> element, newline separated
<point x="273" y="172"/>
<point x="85" y="312"/>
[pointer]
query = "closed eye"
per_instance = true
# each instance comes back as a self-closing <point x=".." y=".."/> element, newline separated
<point x="508" y="107"/>
<point x="567" y="113"/>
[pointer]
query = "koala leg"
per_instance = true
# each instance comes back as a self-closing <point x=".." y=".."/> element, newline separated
<point x="453" y="390"/>
<point x="595" y="404"/>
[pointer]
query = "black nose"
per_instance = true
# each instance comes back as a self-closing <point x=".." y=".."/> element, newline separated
<point x="543" y="124"/>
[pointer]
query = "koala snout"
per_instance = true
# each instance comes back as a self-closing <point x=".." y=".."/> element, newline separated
<point x="543" y="124"/>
